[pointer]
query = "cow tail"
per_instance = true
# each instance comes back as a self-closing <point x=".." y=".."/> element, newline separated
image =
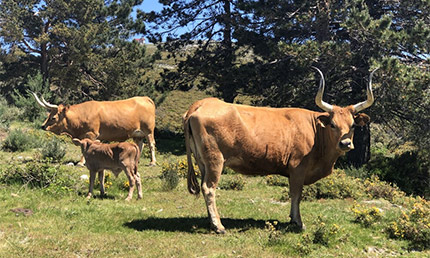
<point x="193" y="185"/>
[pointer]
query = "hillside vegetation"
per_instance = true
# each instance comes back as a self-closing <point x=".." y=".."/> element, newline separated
<point x="45" y="213"/>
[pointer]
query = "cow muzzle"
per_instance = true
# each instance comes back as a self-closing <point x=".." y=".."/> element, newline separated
<point x="346" y="145"/>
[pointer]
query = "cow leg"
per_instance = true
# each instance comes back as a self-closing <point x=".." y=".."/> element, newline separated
<point x="209" y="184"/>
<point x="296" y="188"/>
<point x="102" y="182"/>
<point x="139" y="185"/>
<point x="92" y="179"/>
<point x="131" y="182"/>
<point x="151" y="143"/>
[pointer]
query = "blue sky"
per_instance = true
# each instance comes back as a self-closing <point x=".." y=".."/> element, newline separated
<point x="150" y="5"/>
<point x="147" y="6"/>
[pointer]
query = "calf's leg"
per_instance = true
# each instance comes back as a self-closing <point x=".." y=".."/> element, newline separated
<point x="92" y="179"/>
<point x="102" y="182"/>
<point x="131" y="182"/>
<point x="139" y="185"/>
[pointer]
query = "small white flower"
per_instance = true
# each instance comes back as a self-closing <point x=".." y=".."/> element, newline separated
<point x="84" y="177"/>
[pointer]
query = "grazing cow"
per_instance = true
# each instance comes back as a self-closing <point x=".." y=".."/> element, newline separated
<point x="115" y="157"/>
<point x="300" y="144"/>
<point x="104" y="120"/>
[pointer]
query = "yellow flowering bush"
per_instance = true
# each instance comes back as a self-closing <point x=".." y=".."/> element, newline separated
<point x="375" y="188"/>
<point x="366" y="216"/>
<point x="232" y="183"/>
<point x="125" y="185"/>
<point x="276" y="180"/>
<point x="325" y="234"/>
<point x="107" y="182"/>
<point x="274" y="234"/>
<point x="413" y="225"/>
<point x="180" y="166"/>
<point x="337" y="185"/>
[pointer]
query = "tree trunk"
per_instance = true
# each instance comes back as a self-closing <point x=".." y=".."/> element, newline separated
<point x="228" y="87"/>
<point x="323" y="21"/>
<point x="360" y="155"/>
<point x="44" y="56"/>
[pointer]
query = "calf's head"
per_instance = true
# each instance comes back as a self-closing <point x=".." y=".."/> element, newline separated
<point x="339" y="122"/>
<point x="84" y="143"/>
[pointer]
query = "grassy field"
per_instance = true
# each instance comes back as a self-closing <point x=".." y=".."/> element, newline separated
<point x="174" y="223"/>
<point x="58" y="221"/>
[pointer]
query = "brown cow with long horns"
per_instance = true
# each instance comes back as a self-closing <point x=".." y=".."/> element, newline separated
<point x="104" y="120"/>
<point x="300" y="144"/>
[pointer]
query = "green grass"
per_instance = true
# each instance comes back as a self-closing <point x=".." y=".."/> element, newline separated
<point x="175" y="224"/>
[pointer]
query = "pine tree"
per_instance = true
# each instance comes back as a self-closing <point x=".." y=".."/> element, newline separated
<point x="80" y="47"/>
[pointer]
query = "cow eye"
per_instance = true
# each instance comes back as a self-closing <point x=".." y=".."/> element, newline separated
<point x="332" y="125"/>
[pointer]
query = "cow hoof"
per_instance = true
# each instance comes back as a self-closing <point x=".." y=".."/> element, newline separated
<point x="80" y="164"/>
<point x="152" y="164"/>
<point x="295" y="227"/>
<point x="220" y="231"/>
<point x="128" y="199"/>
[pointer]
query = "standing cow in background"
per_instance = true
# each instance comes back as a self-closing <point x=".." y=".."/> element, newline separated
<point x="300" y="144"/>
<point x="104" y="120"/>
<point x="115" y="157"/>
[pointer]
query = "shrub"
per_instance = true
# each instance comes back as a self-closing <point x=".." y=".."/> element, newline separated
<point x="275" y="180"/>
<point x="366" y="216"/>
<point x="409" y="170"/>
<point x="107" y="182"/>
<point x="180" y="166"/>
<point x="275" y="235"/>
<point x="25" y="101"/>
<point x="169" y="176"/>
<point x="337" y="185"/>
<point x="325" y="234"/>
<point x="19" y="140"/>
<point x="54" y="149"/>
<point x="228" y="171"/>
<point x="413" y="225"/>
<point x="52" y="178"/>
<point x="7" y="114"/>
<point x="232" y="183"/>
<point x="361" y="172"/>
<point x="376" y="188"/>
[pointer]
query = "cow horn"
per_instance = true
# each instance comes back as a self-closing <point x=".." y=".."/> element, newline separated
<point x="367" y="103"/>
<point x="48" y="104"/>
<point x="318" y="99"/>
<point x="38" y="100"/>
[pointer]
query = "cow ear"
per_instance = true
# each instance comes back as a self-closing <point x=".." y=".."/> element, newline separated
<point x="76" y="141"/>
<point x="324" y="120"/>
<point x="361" y="119"/>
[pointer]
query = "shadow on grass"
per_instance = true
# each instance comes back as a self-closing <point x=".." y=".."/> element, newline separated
<point x="174" y="145"/>
<point x="199" y="224"/>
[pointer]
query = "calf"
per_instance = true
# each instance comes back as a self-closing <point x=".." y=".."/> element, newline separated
<point x="115" y="157"/>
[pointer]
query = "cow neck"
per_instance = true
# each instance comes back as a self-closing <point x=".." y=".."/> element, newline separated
<point x="70" y="121"/>
<point x="325" y="150"/>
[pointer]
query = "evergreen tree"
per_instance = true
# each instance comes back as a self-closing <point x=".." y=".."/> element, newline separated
<point x="208" y="57"/>
<point x="282" y="39"/>
<point x="78" y="46"/>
